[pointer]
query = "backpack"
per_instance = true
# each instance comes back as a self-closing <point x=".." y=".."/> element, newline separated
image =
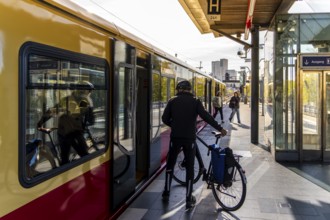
<point x="223" y="163"/>
<point x="230" y="162"/>
<point x="218" y="164"/>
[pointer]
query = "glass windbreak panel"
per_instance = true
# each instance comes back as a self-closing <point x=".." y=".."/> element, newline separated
<point x="287" y="34"/>
<point x="327" y="109"/>
<point x="156" y="102"/>
<point x="311" y="111"/>
<point x="314" y="29"/>
<point x="289" y="111"/>
<point x="65" y="113"/>
<point x="125" y="113"/>
<point x="286" y="41"/>
<point x="269" y="122"/>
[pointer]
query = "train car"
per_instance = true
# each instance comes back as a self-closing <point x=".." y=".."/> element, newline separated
<point x="62" y="67"/>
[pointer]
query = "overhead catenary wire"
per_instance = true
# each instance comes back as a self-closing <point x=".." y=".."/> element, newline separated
<point x="168" y="49"/>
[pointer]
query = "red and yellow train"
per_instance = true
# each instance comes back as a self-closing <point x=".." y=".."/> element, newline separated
<point x="47" y="48"/>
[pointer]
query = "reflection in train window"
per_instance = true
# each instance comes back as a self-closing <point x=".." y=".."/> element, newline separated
<point x="156" y="102"/>
<point x="125" y="110"/>
<point x="65" y="113"/>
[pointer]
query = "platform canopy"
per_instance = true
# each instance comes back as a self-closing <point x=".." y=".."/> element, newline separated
<point x="236" y="17"/>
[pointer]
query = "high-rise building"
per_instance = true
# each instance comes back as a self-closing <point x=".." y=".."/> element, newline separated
<point x="219" y="69"/>
<point x="224" y="68"/>
<point x="216" y="69"/>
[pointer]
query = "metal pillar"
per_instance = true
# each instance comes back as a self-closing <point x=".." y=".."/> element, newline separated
<point x="255" y="86"/>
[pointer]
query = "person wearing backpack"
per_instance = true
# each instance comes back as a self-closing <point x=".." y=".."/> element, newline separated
<point x="217" y="105"/>
<point x="181" y="114"/>
<point x="234" y="105"/>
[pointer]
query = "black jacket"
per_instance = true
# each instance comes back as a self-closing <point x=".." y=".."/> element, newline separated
<point x="236" y="101"/>
<point x="181" y="114"/>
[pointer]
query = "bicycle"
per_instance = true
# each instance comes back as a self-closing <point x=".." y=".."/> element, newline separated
<point x="230" y="195"/>
<point x="94" y="144"/>
<point x="38" y="158"/>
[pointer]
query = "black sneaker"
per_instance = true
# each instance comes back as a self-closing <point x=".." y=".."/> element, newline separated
<point x="190" y="202"/>
<point x="166" y="196"/>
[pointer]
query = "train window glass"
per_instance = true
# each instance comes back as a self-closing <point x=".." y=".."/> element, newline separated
<point x="172" y="87"/>
<point x="155" y="104"/>
<point x="168" y="67"/>
<point x="125" y="109"/>
<point x="65" y="113"/>
<point x="124" y="53"/>
<point x="142" y="59"/>
<point x="156" y="63"/>
<point x="164" y="93"/>
<point x="200" y="88"/>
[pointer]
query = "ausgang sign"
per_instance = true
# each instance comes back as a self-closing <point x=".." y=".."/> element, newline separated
<point x="315" y="61"/>
<point x="214" y="9"/>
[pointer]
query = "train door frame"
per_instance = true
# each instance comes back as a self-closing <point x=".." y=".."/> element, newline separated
<point x="321" y="73"/>
<point x="143" y="73"/>
<point x="208" y="94"/>
<point x="155" y="150"/>
<point x="123" y="161"/>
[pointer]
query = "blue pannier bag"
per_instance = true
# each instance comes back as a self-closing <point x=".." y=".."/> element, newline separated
<point x="218" y="164"/>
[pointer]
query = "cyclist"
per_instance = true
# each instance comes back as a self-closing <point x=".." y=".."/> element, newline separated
<point x="180" y="114"/>
<point x="77" y="112"/>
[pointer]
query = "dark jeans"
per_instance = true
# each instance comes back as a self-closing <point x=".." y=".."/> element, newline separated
<point x="75" y="140"/>
<point x="216" y="110"/>
<point x="189" y="150"/>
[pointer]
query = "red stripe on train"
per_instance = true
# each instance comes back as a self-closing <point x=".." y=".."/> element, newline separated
<point x="85" y="197"/>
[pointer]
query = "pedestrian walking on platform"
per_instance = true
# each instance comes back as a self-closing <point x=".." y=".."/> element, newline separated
<point x="181" y="114"/>
<point x="234" y="105"/>
<point x="217" y="102"/>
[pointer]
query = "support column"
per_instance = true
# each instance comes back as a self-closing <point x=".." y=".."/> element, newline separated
<point x="255" y="86"/>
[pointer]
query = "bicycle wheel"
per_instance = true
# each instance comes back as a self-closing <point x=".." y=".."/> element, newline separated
<point x="96" y="146"/>
<point x="179" y="172"/>
<point x="39" y="161"/>
<point x="232" y="197"/>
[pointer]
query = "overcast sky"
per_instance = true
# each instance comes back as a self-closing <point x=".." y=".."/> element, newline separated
<point x="166" y="25"/>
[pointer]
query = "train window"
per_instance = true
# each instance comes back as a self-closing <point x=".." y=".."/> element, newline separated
<point x="172" y="88"/>
<point x="64" y="118"/>
<point x="125" y="109"/>
<point x="167" y="91"/>
<point x="155" y="105"/>
<point x="200" y="89"/>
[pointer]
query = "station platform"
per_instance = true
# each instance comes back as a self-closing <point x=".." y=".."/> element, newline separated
<point x="274" y="190"/>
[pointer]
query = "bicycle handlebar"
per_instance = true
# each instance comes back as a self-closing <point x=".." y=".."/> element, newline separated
<point x="46" y="130"/>
<point x="217" y="134"/>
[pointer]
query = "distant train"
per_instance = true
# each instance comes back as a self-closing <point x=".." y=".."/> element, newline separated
<point x="48" y="51"/>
